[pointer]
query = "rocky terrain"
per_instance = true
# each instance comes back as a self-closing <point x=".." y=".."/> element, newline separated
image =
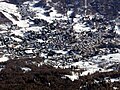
<point x="57" y="45"/>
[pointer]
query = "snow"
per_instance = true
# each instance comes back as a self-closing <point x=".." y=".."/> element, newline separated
<point x="2" y="0"/>
<point x="60" y="51"/>
<point x="10" y="8"/>
<point x="17" y="46"/>
<point x="108" y="58"/>
<point x="26" y="69"/>
<point x="40" y="64"/>
<point x="43" y="55"/>
<point x="20" y="23"/>
<point x="117" y="29"/>
<point x="53" y="15"/>
<point x="73" y="77"/>
<point x="3" y="31"/>
<point x="34" y="28"/>
<point x="7" y="9"/>
<point x="40" y="40"/>
<point x="40" y="13"/>
<point x="9" y="16"/>
<point x="115" y="79"/>
<point x="16" y="39"/>
<point x="80" y="27"/>
<point x="89" y="67"/>
<point x="105" y="61"/>
<point x="29" y="51"/>
<point x="115" y="88"/>
<point x="3" y="26"/>
<point x="17" y="32"/>
<point x="69" y="12"/>
<point x="4" y="58"/>
<point x="1" y="69"/>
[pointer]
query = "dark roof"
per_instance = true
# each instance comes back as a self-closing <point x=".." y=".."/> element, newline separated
<point x="3" y="18"/>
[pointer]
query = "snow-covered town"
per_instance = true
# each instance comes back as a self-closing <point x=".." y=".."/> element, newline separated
<point x="65" y="34"/>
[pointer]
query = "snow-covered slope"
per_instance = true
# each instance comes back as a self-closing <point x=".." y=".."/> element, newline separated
<point x="61" y="42"/>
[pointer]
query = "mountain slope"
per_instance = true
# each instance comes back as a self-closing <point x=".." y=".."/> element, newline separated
<point x="63" y="37"/>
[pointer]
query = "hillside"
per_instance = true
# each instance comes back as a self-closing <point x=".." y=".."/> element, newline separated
<point x="77" y="43"/>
